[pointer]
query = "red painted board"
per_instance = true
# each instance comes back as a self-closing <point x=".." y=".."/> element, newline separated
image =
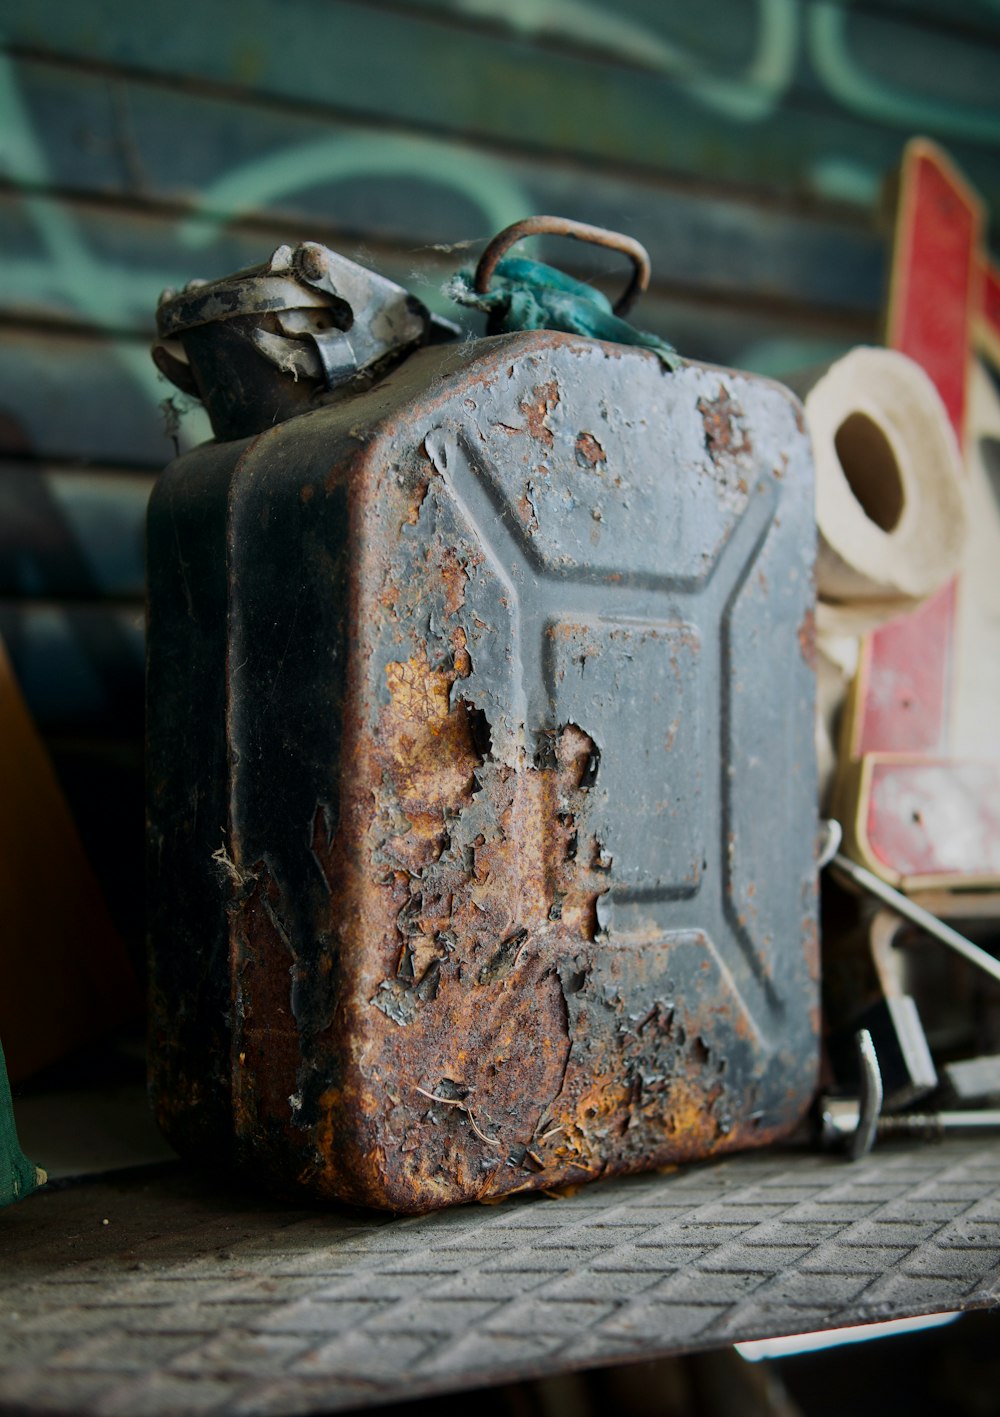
<point x="936" y="272"/>
<point x="934" y="300"/>
<point x="906" y="678"/>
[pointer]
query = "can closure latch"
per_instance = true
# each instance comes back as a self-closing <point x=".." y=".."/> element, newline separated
<point x="258" y="346"/>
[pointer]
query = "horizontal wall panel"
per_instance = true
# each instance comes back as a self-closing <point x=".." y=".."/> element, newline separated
<point x="228" y="159"/>
<point x="725" y="37"/>
<point x="977" y="19"/>
<point x="79" y="395"/>
<point x="71" y="534"/>
<point x="80" y="667"/>
<point x="85" y="397"/>
<point x="855" y="52"/>
<point x="121" y="259"/>
<point x="773" y="129"/>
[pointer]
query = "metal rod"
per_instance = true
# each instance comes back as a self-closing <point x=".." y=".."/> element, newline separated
<point x="918" y="915"/>
<point x="967" y="1121"/>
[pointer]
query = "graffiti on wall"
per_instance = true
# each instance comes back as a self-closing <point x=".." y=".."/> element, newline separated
<point x="64" y="269"/>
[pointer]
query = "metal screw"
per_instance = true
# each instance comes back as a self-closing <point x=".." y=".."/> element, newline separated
<point x="854" y="1123"/>
<point x="857" y="1124"/>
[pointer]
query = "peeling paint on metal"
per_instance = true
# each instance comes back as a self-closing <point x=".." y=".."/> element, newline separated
<point x="517" y="775"/>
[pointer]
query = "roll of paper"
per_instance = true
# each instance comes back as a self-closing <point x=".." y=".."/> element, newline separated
<point x="890" y="499"/>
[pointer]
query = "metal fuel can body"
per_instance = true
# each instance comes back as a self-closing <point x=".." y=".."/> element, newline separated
<point x="482" y="789"/>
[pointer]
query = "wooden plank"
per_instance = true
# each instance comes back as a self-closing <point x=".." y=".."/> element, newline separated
<point x="81" y="396"/>
<point x="230" y="158"/>
<point x="900" y="70"/>
<point x="111" y="267"/>
<point x="79" y="667"/>
<point x="421" y="70"/>
<point x="891" y="62"/>
<point x="118" y="259"/>
<point x="723" y="35"/>
<point x="969" y="17"/>
<point x="69" y="534"/>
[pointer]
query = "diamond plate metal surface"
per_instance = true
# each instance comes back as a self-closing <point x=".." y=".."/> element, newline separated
<point x="159" y="1293"/>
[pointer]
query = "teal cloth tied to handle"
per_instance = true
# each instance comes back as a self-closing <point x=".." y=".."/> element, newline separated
<point x="18" y="1177"/>
<point x="527" y="295"/>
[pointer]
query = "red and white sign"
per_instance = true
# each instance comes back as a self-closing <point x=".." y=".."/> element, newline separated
<point x="916" y="815"/>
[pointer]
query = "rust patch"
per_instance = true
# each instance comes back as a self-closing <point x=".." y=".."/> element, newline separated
<point x="460" y="652"/>
<point x="536" y="409"/>
<point x="589" y="451"/>
<point x="413" y="514"/>
<point x="455" y="577"/>
<point x="427" y="753"/>
<point x="807" y="639"/>
<point x="267" y="1044"/>
<point x="473" y="1013"/>
<point x="725" y="431"/>
<point x="526" y="511"/>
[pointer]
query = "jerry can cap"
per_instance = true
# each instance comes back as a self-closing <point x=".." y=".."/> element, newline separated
<point x="258" y="346"/>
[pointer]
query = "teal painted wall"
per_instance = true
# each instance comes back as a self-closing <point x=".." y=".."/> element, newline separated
<point x="746" y="142"/>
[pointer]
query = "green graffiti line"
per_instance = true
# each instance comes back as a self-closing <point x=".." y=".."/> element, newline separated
<point x="759" y="92"/>
<point x="83" y="282"/>
<point x="842" y="179"/>
<point x="110" y="297"/>
<point x="747" y="97"/>
<point x="871" y="97"/>
<point x="255" y="184"/>
<point x="63" y="269"/>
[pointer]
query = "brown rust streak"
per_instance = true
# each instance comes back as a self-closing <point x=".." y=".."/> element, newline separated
<point x="495" y="1021"/>
<point x="266" y="1043"/>
<point x="609" y="1123"/>
<point x="427" y="750"/>
<point x="455" y="578"/>
<point x="589" y="451"/>
<point x="536" y="409"/>
<point x="724" y="431"/>
<point x="807" y="639"/>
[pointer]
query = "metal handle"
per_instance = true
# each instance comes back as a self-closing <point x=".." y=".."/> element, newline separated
<point x="579" y="231"/>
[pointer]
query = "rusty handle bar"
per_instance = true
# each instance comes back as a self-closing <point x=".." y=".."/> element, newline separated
<point x="579" y="231"/>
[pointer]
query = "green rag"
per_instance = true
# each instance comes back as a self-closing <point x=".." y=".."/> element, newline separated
<point x="526" y="295"/>
<point x="18" y="1178"/>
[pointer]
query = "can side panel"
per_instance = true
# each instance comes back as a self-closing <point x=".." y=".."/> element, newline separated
<point x="502" y="914"/>
<point x="293" y="630"/>
<point x="587" y="593"/>
<point x="189" y="878"/>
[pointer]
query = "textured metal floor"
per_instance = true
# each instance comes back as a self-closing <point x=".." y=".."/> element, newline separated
<point x="157" y="1293"/>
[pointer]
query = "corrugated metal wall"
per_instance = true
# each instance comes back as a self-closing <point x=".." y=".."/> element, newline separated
<point x="746" y="142"/>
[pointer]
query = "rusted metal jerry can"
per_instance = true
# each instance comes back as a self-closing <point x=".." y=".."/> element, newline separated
<point x="482" y="795"/>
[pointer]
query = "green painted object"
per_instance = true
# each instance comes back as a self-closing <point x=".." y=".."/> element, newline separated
<point x="527" y="295"/>
<point x="18" y="1177"/>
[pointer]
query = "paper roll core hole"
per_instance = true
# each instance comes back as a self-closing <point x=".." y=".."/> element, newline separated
<point x="870" y="467"/>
